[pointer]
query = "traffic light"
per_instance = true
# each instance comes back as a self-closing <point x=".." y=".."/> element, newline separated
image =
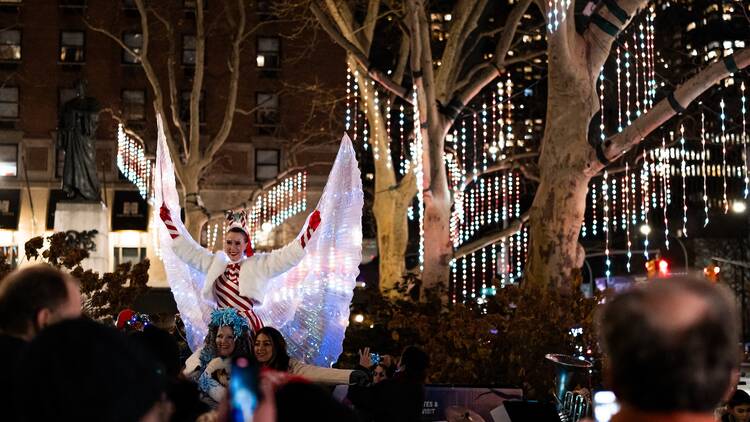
<point x="663" y="268"/>
<point x="712" y="272"/>
<point x="657" y="267"/>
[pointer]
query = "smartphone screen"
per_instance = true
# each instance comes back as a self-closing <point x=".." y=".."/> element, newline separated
<point x="375" y="358"/>
<point x="605" y="406"/>
<point x="244" y="394"/>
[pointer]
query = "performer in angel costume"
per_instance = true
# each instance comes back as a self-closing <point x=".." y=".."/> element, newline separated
<point x="304" y="289"/>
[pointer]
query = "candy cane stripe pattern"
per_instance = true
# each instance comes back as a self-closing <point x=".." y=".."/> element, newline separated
<point x="166" y="217"/>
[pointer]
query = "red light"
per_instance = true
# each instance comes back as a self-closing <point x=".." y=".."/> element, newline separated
<point x="663" y="267"/>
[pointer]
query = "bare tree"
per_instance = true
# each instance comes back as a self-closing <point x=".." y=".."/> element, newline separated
<point x="565" y="160"/>
<point x="193" y="149"/>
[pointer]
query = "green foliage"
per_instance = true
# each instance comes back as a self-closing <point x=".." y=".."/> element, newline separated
<point x="501" y="343"/>
<point x="104" y="295"/>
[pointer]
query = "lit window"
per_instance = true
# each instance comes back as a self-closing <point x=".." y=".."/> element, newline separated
<point x="9" y="102"/>
<point x="268" y="53"/>
<point x="133" y="104"/>
<point x="266" y="163"/>
<point x="72" y="46"/>
<point x="9" y="160"/>
<point x="134" y="41"/>
<point x="10" y="45"/>
<point x="188" y="50"/>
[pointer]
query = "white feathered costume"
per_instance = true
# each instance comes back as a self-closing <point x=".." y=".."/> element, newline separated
<point x="308" y="301"/>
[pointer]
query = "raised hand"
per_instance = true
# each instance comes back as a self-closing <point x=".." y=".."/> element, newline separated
<point x="312" y="224"/>
<point x="166" y="217"/>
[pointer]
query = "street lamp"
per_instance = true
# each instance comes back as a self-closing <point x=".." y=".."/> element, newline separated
<point x="645" y="229"/>
<point x="739" y="207"/>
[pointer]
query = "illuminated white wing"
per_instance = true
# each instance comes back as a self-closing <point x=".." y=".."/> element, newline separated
<point x="310" y="303"/>
<point x="185" y="282"/>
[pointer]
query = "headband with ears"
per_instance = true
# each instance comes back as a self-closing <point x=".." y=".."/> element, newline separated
<point x="239" y="220"/>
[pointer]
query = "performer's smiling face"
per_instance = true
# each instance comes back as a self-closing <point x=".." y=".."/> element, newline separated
<point x="234" y="245"/>
<point x="224" y="341"/>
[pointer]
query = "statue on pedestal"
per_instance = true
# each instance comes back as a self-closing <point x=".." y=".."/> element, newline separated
<point x="76" y="136"/>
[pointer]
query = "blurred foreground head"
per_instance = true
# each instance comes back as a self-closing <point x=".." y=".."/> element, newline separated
<point x="84" y="371"/>
<point x="672" y="344"/>
<point x="35" y="297"/>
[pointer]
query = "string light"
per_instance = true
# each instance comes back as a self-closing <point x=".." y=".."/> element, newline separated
<point x="419" y="172"/>
<point x="627" y="214"/>
<point x="684" y="186"/>
<point x="645" y="197"/>
<point x="703" y="167"/>
<point x="272" y="208"/>
<point x="348" y="118"/>
<point x="605" y="223"/>
<point x="619" y="96"/>
<point x="744" y="142"/>
<point x="665" y="187"/>
<point x="724" y="155"/>
<point x="557" y="11"/>
<point x="132" y="162"/>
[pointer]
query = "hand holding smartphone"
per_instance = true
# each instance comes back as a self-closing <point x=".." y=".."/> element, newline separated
<point x="244" y="390"/>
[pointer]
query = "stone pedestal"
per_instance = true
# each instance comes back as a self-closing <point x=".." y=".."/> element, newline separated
<point x="82" y="216"/>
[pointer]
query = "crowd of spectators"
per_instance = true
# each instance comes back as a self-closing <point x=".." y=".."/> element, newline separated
<point x="670" y="346"/>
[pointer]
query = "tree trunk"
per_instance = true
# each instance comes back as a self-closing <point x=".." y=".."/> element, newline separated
<point x="558" y="209"/>
<point x="195" y="216"/>
<point x="392" y="197"/>
<point x="393" y="236"/>
<point x="438" y="248"/>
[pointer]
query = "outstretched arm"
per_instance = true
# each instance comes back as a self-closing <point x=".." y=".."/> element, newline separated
<point x="281" y="260"/>
<point x="186" y="249"/>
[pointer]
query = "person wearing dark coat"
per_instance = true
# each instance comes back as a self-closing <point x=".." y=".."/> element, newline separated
<point x="397" y="399"/>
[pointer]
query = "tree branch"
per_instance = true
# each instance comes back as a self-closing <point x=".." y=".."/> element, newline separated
<point x="358" y="55"/>
<point x="598" y="41"/>
<point x="513" y="227"/>
<point x="172" y="81"/>
<point x="234" y="78"/>
<point x="684" y="94"/>
<point x="194" y="154"/>
<point x="508" y="163"/>
<point x="467" y="14"/>
<point x="371" y="20"/>
<point x="111" y="36"/>
<point x="501" y="50"/>
<point x="121" y="120"/>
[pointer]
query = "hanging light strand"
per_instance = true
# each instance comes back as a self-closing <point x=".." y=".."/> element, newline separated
<point x="724" y="156"/>
<point x="683" y="171"/>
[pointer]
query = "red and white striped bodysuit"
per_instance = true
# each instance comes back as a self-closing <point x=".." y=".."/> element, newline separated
<point x="227" y="292"/>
